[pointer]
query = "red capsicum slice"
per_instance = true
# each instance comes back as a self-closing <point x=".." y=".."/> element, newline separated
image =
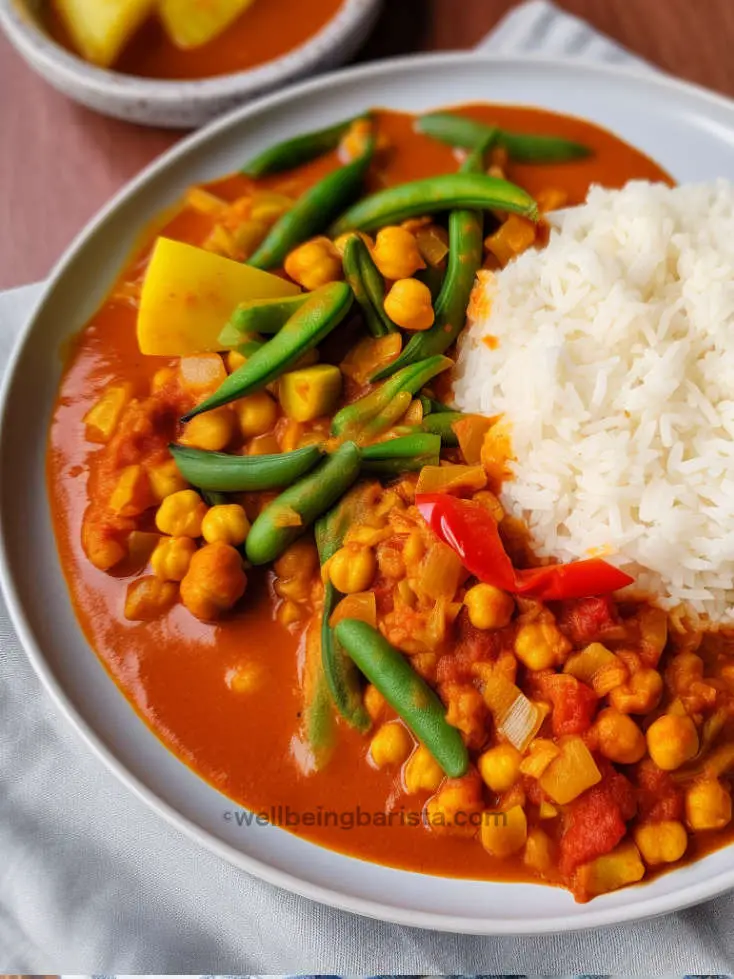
<point x="471" y="530"/>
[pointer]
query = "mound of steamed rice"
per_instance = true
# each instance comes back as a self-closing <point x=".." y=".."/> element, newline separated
<point x="614" y="367"/>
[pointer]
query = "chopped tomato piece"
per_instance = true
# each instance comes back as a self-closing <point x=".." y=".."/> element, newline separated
<point x="472" y="646"/>
<point x="658" y="796"/>
<point x="596" y="821"/>
<point x="574" y="704"/>
<point x="585" y="620"/>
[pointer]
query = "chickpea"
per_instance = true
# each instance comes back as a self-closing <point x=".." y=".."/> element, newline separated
<point x="298" y="589"/>
<point x="248" y="678"/>
<point x="162" y="379"/>
<point x="352" y="569"/>
<point x="620" y="739"/>
<point x="408" y="304"/>
<point x="234" y="360"/>
<point x="374" y="702"/>
<point x="391" y="745"/>
<point x="301" y="559"/>
<point x="214" y="582"/>
<point x="227" y="523"/>
<point x="149" y="597"/>
<point x="708" y="805"/>
<point x="422" y="771"/>
<point x="455" y="807"/>
<point x="500" y="767"/>
<point x="489" y="607"/>
<point x="663" y="842"/>
<point x="171" y="559"/>
<point x="540" y="645"/>
<point x="639" y="695"/>
<point x="503" y="834"/>
<point x="102" y="547"/>
<point x="396" y="253"/>
<point x="212" y="431"/>
<point x="181" y="514"/>
<point x="314" y="264"/>
<point x="672" y="741"/>
<point x="256" y="414"/>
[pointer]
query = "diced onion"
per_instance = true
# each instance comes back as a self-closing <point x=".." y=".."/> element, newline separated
<point x="432" y="244"/>
<point x="451" y="479"/>
<point x="516" y="717"/>
<point x="441" y="572"/>
<point x="470" y="432"/>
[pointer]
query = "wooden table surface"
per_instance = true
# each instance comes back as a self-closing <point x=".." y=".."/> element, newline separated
<point x="59" y="162"/>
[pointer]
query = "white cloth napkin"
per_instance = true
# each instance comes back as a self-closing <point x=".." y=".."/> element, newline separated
<point x="92" y="881"/>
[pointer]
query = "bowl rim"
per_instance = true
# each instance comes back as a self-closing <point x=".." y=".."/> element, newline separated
<point x="38" y="48"/>
<point x="637" y="910"/>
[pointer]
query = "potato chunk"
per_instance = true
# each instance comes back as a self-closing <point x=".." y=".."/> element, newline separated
<point x="101" y="28"/>
<point x="190" y="23"/>
<point x="189" y="294"/>
<point x="310" y="392"/>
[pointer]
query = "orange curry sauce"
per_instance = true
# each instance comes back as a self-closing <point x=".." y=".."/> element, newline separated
<point x="268" y="29"/>
<point x="173" y="670"/>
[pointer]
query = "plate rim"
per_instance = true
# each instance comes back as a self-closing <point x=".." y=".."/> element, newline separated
<point x="636" y="910"/>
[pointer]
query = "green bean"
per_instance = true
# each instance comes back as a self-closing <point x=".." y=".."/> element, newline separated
<point x="465" y="258"/>
<point x="325" y="309"/>
<point x="442" y="193"/>
<point x="432" y="276"/>
<point x="319" y="723"/>
<point x="293" y="152"/>
<point x="217" y="472"/>
<point x="304" y="501"/>
<point x="431" y="406"/>
<point x="441" y="423"/>
<point x="313" y="211"/>
<point x="407" y="454"/>
<point x="459" y="131"/>
<point x="521" y="147"/>
<point x="250" y="345"/>
<point x="212" y="498"/>
<point x="406" y="692"/>
<point x="265" y="315"/>
<point x="341" y="675"/>
<point x="385" y="418"/>
<point x="232" y="339"/>
<point x="411" y="378"/>
<point x="355" y="272"/>
<point x="374" y="285"/>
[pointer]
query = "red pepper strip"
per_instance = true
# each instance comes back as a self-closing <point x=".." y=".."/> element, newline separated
<point x="471" y="530"/>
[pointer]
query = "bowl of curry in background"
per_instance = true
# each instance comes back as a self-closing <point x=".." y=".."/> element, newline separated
<point x="154" y="81"/>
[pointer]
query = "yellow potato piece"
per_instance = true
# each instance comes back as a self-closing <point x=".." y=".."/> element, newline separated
<point x="101" y="28"/>
<point x="311" y="392"/>
<point x="189" y="294"/>
<point x="190" y="23"/>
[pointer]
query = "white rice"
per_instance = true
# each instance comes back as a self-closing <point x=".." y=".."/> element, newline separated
<point x="615" y="369"/>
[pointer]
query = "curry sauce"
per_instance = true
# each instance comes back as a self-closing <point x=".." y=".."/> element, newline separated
<point x="181" y="674"/>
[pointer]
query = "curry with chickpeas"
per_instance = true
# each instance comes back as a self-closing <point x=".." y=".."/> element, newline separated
<point x="292" y="554"/>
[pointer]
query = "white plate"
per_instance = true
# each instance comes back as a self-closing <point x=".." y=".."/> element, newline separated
<point x="689" y="131"/>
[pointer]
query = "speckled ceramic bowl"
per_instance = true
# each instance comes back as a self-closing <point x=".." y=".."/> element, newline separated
<point x="179" y="104"/>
